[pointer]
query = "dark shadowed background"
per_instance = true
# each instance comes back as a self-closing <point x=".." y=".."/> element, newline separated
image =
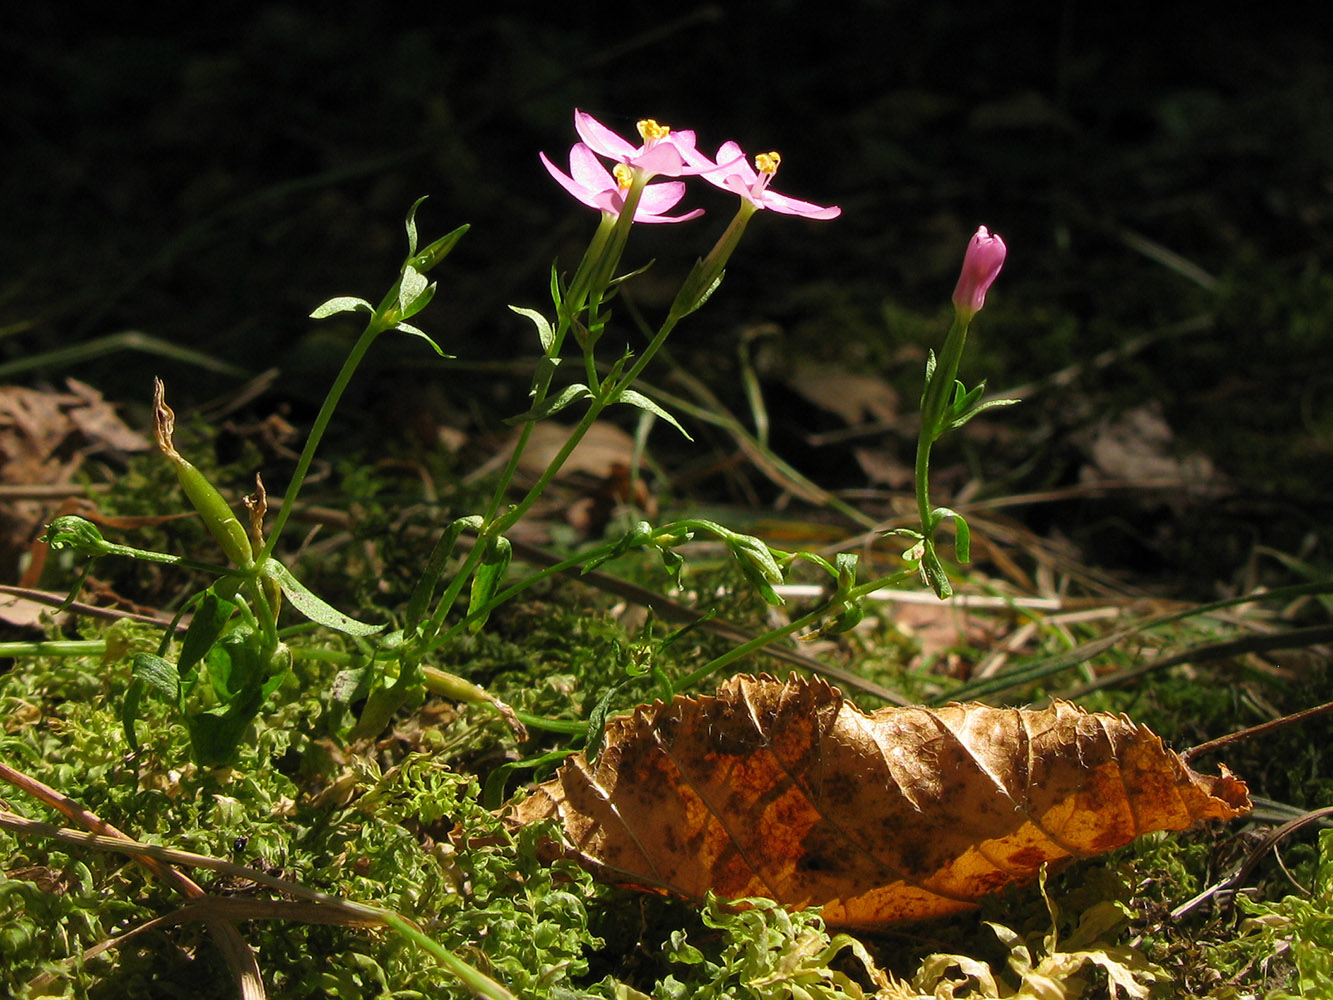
<point x="1164" y="183"/>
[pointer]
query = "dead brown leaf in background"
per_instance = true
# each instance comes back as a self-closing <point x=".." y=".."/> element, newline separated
<point x="44" y="438"/>
<point x="785" y="790"/>
<point x="852" y="396"/>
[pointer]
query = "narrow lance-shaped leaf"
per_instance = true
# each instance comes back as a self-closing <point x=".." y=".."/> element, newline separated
<point x="962" y="544"/>
<point x="634" y="398"/>
<point x="486" y="579"/>
<point x="341" y="304"/>
<point x="314" y="608"/>
<point x="211" y="614"/>
<point x="553" y="405"/>
<point x="544" y="331"/>
<point x="424" y="591"/>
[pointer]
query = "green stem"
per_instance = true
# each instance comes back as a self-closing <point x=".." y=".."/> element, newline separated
<point x="507" y="520"/>
<point x="600" y="255"/>
<point x="768" y="638"/>
<point x="708" y="270"/>
<point x="66" y="647"/>
<point x="475" y="980"/>
<point x="922" y="480"/>
<point x="935" y="400"/>
<point x="934" y="406"/>
<point x="374" y="328"/>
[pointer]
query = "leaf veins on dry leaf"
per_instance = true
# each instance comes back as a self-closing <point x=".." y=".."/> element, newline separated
<point x="786" y="791"/>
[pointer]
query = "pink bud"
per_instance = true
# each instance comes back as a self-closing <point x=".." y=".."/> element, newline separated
<point x="981" y="265"/>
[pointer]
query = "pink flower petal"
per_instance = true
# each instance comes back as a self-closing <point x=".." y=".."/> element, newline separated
<point x="793" y="206"/>
<point x="579" y="191"/>
<point x="601" y="139"/>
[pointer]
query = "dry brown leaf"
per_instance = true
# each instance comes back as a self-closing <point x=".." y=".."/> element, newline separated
<point x="852" y="396"/>
<point x="44" y="437"/>
<point x="785" y="790"/>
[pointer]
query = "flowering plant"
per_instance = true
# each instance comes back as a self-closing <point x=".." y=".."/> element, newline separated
<point x="233" y="659"/>
<point x="239" y="611"/>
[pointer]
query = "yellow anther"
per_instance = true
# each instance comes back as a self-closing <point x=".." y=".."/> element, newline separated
<point x="767" y="163"/>
<point x="651" y="131"/>
<point x="623" y="175"/>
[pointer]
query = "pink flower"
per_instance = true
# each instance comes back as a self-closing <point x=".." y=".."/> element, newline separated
<point x="751" y="183"/>
<point x="663" y="153"/>
<point x="981" y="265"/>
<point x="592" y="184"/>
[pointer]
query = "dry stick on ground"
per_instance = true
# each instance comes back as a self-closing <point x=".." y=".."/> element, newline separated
<point x="238" y="955"/>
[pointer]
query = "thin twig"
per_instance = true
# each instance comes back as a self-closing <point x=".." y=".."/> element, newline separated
<point x="1243" y="872"/>
<point x="1259" y="730"/>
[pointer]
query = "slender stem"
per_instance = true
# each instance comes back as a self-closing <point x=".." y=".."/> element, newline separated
<point x="516" y="588"/>
<point x="373" y="329"/>
<point x="451" y="592"/>
<point x="62" y="647"/>
<point x="505" y="521"/>
<point x="758" y="643"/>
<point x="475" y="980"/>
<point x="922" y="480"/>
<point x="600" y="248"/>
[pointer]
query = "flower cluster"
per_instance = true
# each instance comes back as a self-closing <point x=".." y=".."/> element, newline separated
<point x="667" y="153"/>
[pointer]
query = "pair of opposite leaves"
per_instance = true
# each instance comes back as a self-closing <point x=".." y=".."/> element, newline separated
<point x="785" y="790"/>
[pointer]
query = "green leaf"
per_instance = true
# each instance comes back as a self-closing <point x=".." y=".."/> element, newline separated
<point x="211" y="615"/>
<point x="412" y="225"/>
<point x="632" y="274"/>
<point x="640" y="534"/>
<point x="216" y="734"/>
<point x="964" y="401"/>
<point x="557" y="294"/>
<point x="411" y="286"/>
<point x="424" y="592"/>
<point x="930" y="373"/>
<point x="675" y="565"/>
<point x="847" y="563"/>
<point x="750" y="551"/>
<point x="544" y="331"/>
<point x="707" y="293"/>
<point x="353" y="683"/>
<point x="979" y="408"/>
<point x="341" y="304"/>
<point x="236" y="664"/>
<point x="634" y="398"/>
<point x="962" y="533"/>
<point x="129" y="711"/>
<point x="158" y="675"/>
<point x="149" y="672"/>
<point x="313" y="607"/>
<point x="423" y="299"/>
<point x="553" y="405"/>
<point x="487" y="577"/>
<point x="597" y="722"/>
<point x="932" y="571"/>
<point x="408" y="328"/>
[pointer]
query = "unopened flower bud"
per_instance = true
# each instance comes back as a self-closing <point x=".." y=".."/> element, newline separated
<point x="981" y="265"/>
